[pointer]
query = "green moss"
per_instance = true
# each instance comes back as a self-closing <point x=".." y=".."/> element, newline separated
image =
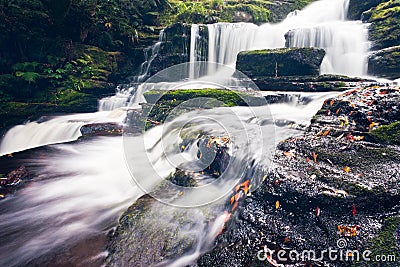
<point x="210" y="11"/>
<point x="161" y="103"/>
<point x="389" y="134"/>
<point x="385" y="24"/>
<point x="385" y="242"/>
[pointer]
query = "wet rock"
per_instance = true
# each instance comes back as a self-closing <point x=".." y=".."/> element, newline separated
<point x="149" y="233"/>
<point x="280" y="62"/>
<point x="384" y="30"/>
<point x="101" y="129"/>
<point x="12" y="180"/>
<point x="325" y="185"/>
<point x="385" y="63"/>
<point x="357" y="7"/>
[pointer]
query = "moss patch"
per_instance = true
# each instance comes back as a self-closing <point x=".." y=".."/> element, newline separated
<point x="389" y="134"/>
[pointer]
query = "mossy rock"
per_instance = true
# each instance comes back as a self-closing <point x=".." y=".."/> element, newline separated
<point x="357" y="7"/>
<point x="385" y="63"/>
<point x="281" y="62"/>
<point x="386" y="243"/>
<point x="388" y="134"/>
<point x="160" y="104"/>
<point x="384" y="30"/>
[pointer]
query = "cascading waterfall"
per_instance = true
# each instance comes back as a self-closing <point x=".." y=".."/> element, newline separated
<point x="322" y="24"/>
<point x="123" y="94"/>
<point x="82" y="188"/>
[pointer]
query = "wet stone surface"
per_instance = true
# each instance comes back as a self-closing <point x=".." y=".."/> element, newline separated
<point x="333" y="182"/>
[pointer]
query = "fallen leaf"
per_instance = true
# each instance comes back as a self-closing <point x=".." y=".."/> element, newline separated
<point x="314" y="155"/>
<point x="317" y="211"/>
<point x="289" y="154"/>
<point x="337" y="111"/>
<point x="277" y="204"/>
<point x="353" y="210"/>
<point x="235" y="206"/>
<point x="326" y="133"/>
<point x="346" y="169"/>
<point x="232" y="200"/>
<point x="332" y="102"/>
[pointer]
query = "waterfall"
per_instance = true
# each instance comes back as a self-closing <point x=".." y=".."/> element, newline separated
<point x="123" y="94"/>
<point x="322" y="24"/>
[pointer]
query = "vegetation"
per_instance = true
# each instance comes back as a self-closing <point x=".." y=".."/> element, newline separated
<point x="162" y="104"/>
<point x="211" y="11"/>
<point x="389" y="134"/>
<point x="385" y="24"/>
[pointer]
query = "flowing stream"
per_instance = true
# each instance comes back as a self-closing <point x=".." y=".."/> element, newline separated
<point x="80" y="189"/>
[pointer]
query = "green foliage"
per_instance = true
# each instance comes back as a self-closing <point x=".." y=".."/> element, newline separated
<point x="210" y="11"/>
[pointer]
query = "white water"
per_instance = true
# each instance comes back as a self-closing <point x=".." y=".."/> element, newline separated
<point x="53" y="130"/>
<point x="82" y="188"/>
<point x="322" y="24"/>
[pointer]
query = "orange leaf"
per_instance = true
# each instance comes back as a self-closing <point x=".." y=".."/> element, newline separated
<point x="346" y="169"/>
<point x="277" y="204"/>
<point x="289" y="154"/>
<point x="332" y="102"/>
<point x="326" y="133"/>
<point x="235" y="206"/>
<point x="314" y="155"/>
<point x="337" y="111"/>
<point x="232" y="200"/>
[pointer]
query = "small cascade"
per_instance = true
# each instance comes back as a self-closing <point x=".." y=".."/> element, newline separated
<point x="124" y="93"/>
<point x="53" y="130"/>
<point x="344" y="55"/>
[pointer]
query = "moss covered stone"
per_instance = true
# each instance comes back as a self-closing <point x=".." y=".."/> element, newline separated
<point x="385" y="63"/>
<point x="280" y="62"/>
<point x="384" y="30"/>
<point x="160" y="103"/>
<point x="357" y="7"/>
<point x="389" y="134"/>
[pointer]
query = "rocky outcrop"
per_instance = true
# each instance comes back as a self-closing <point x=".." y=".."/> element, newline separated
<point x="385" y="63"/>
<point x="173" y="49"/>
<point x="322" y="83"/>
<point x="384" y="34"/>
<point x="357" y="7"/>
<point x="384" y="30"/>
<point x="332" y="183"/>
<point x="280" y="62"/>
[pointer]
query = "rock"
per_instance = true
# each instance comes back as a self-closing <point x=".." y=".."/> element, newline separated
<point x="161" y="103"/>
<point x="148" y="233"/>
<point x="174" y="48"/>
<point x="357" y="7"/>
<point x="384" y="30"/>
<point x="12" y="180"/>
<point x="101" y="129"/>
<point x="388" y="134"/>
<point x="385" y="63"/>
<point x="280" y="62"/>
<point x="322" y="83"/>
<point x="334" y="180"/>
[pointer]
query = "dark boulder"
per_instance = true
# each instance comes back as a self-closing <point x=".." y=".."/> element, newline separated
<point x="385" y="63"/>
<point x="280" y="62"/>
